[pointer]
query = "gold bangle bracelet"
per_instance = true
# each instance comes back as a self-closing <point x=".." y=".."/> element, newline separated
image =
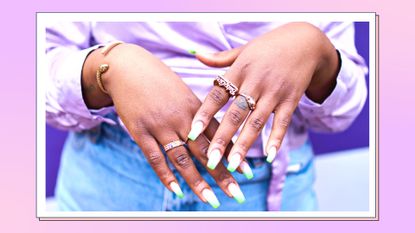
<point x="104" y="67"/>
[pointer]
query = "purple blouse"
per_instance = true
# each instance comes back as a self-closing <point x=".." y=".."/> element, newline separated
<point x="68" y="44"/>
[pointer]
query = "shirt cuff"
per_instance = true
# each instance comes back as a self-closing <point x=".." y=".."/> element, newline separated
<point x="308" y="106"/>
<point x="71" y="100"/>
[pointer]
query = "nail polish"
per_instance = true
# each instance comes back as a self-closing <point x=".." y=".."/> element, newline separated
<point x="272" y="153"/>
<point x="176" y="189"/>
<point x="211" y="198"/>
<point x="236" y="193"/>
<point x="196" y="130"/>
<point x="234" y="161"/>
<point x="214" y="159"/>
<point x="246" y="170"/>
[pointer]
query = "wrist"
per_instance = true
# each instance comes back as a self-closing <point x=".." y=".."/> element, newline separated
<point x="324" y="78"/>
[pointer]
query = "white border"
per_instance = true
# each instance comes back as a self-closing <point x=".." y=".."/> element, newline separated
<point x="42" y="73"/>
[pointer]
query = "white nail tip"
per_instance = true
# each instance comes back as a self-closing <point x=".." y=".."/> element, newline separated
<point x="196" y="130"/>
<point x="214" y="158"/>
<point x="211" y="198"/>
<point x="176" y="188"/>
<point x="272" y="153"/>
<point x="234" y="161"/>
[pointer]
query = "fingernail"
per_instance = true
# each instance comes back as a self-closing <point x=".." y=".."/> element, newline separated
<point x="176" y="189"/>
<point x="211" y="198"/>
<point x="234" y="161"/>
<point x="236" y="193"/>
<point x="246" y="170"/>
<point x="191" y="51"/>
<point x="214" y="159"/>
<point x="196" y="130"/>
<point x="272" y="153"/>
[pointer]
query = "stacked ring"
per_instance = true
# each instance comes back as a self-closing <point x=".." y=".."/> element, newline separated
<point x="173" y="145"/>
<point x="229" y="87"/>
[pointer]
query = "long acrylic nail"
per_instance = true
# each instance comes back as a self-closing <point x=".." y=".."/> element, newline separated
<point x="236" y="193"/>
<point x="214" y="159"/>
<point x="246" y="170"/>
<point x="272" y="153"/>
<point x="211" y="198"/>
<point x="234" y="161"/>
<point x="196" y="130"/>
<point x="176" y="189"/>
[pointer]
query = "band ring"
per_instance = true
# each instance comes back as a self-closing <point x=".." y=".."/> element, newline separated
<point x="173" y="144"/>
<point x="229" y="87"/>
<point x="251" y="101"/>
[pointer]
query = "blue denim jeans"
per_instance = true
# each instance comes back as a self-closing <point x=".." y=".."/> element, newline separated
<point x="104" y="170"/>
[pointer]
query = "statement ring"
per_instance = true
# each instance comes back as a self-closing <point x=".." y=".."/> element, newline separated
<point x="173" y="145"/>
<point x="251" y="101"/>
<point x="229" y="87"/>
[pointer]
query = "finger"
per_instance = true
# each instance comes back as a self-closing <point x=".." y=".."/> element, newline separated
<point x="182" y="161"/>
<point x="219" y="59"/>
<point x="157" y="161"/>
<point x="210" y="132"/>
<point x="249" y="133"/>
<point x="281" y="122"/>
<point x="222" y="177"/>
<point x="214" y="101"/>
<point x="232" y="120"/>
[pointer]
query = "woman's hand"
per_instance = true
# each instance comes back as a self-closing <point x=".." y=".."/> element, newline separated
<point x="275" y="69"/>
<point x="157" y="108"/>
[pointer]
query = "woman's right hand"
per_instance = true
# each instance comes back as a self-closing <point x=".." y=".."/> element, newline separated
<point x="157" y="107"/>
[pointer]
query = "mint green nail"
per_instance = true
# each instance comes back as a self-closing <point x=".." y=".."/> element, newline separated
<point x="196" y="130"/>
<point x="176" y="189"/>
<point x="214" y="159"/>
<point x="246" y="170"/>
<point x="211" y="198"/>
<point x="234" y="161"/>
<point x="236" y="193"/>
<point x="193" y="52"/>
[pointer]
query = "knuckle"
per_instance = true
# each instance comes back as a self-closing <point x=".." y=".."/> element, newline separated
<point x="284" y="122"/>
<point x="220" y="142"/>
<point x="198" y="183"/>
<point x="183" y="160"/>
<point x="155" y="159"/>
<point x="235" y="117"/>
<point x="242" y="146"/>
<point x="223" y="177"/>
<point x="257" y="123"/>
<point x="217" y="96"/>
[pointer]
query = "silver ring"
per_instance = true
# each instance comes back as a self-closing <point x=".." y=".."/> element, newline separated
<point x="251" y="101"/>
<point x="223" y="82"/>
<point x="173" y="145"/>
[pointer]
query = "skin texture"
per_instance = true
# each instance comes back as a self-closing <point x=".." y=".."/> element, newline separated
<point x="276" y="69"/>
<point x="156" y="107"/>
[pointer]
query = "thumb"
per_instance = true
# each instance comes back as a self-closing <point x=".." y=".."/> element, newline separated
<point x="219" y="59"/>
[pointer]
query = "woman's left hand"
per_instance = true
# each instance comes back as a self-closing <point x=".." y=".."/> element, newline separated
<point x="275" y="69"/>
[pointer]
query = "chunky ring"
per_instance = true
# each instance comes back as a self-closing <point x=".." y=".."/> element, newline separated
<point x="173" y="145"/>
<point x="229" y="87"/>
<point x="251" y="102"/>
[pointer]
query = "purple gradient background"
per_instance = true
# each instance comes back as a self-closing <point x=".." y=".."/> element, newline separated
<point x="18" y="140"/>
<point x="356" y="136"/>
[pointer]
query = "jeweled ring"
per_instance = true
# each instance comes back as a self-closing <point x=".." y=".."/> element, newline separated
<point x="251" y="102"/>
<point x="173" y="145"/>
<point x="229" y="87"/>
